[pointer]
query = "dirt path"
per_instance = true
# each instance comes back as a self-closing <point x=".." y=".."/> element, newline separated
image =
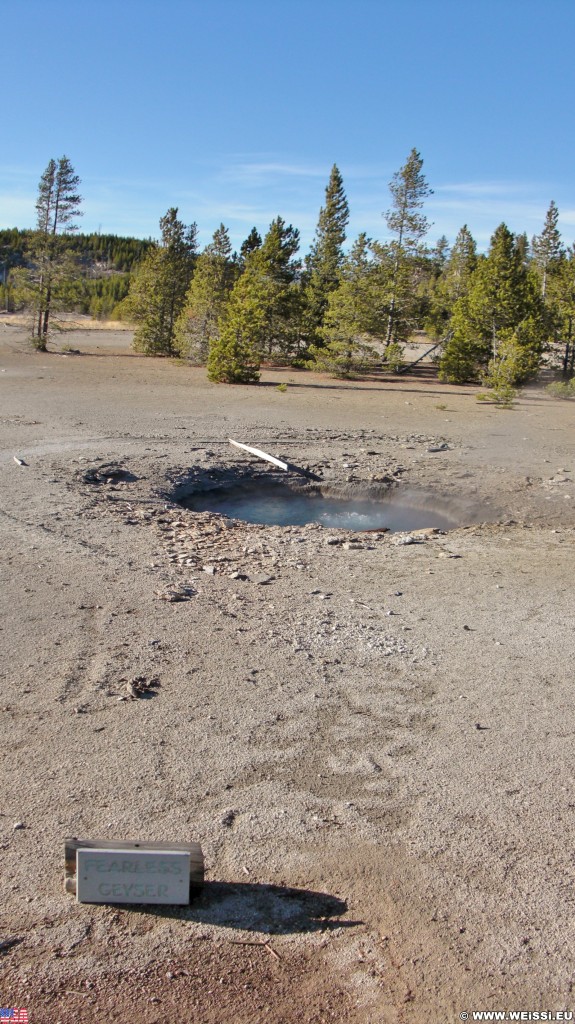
<point x="372" y="740"/>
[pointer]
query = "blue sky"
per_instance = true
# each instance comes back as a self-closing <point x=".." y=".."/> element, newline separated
<point x="235" y="110"/>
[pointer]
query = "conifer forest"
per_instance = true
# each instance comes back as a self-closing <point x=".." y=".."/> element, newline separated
<point x="349" y="306"/>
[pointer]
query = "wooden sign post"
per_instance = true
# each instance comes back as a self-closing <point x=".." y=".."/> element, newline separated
<point x="100" y="871"/>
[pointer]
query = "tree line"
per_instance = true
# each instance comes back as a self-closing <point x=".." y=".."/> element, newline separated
<point x="340" y="309"/>
<point x="91" y="273"/>
<point x="95" y="251"/>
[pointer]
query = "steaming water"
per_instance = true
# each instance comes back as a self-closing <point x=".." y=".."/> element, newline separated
<point x="277" y="505"/>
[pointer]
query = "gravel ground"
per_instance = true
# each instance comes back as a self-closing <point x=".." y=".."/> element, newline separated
<point x="369" y="734"/>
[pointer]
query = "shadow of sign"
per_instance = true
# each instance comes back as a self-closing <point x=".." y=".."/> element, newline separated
<point x="268" y="909"/>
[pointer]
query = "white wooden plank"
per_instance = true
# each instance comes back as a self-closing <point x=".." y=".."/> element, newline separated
<point x="260" y="454"/>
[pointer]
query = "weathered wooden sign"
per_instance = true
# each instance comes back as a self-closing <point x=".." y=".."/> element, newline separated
<point x="134" y="876"/>
<point x="100" y="871"/>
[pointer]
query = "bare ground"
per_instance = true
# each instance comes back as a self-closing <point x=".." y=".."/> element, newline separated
<point x="371" y="740"/>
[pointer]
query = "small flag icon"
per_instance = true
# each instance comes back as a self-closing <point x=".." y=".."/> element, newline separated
<point x="20" y="1016"/>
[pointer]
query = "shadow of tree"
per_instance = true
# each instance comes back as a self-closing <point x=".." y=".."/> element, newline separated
<point x="365" y="384"/>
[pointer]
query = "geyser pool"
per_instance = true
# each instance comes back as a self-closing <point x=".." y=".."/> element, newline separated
<point x="273" y="503"/>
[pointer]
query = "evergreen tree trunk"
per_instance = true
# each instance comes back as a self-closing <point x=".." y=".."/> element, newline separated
<point x="57" y="206"/>
<point x="391" y="317"/>
<point x="408" y="190"/>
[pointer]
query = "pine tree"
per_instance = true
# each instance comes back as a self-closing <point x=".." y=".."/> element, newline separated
<point x="262" y="314"/>
<point x="500" y="296"/>
<point x="564" y="297"/>
<point x="453" y="283"/>
<point x="326" y="254"/>
<point x="409" y="189"/>
<point x="547" y="247"/>
<point x="276" y="265"/>
<point x="57" y="206"/>
<point x="159" y="286"/>
<point x="460" y="265"/>
<point x="252" y="242"/>
<point x="197" y="324"/>
<point x="353" y="319"/>
<point x="502" y="304"/>
<point x="522" y="247"/>
<point x="235" y="353"/>
<point x="439" y="255"/>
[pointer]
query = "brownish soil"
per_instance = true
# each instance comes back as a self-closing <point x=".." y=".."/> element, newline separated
<point x="372" y="740"/>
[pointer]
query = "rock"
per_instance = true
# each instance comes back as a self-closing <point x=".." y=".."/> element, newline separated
<point x="173" y="594"/>
<point x="261" y="578"/>
<point x="10" y="942"/>
<point x="109" y="473"/>
<point x="139" y="686"/>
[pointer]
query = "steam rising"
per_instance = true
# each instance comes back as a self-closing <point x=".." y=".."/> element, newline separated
<point x="279" y="504"/>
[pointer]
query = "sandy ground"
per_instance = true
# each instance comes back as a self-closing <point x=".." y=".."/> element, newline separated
<point x="372" y="740"/>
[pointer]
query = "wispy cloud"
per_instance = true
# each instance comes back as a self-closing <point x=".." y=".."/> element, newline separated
<point x="485" y="188"/>
<point x="567" y="217"/>
<point x="242" y="190"/>
<point x="18" y="174"/>
<point x="17" y="210"/>
<point x="18" y="192"/>
<point x="258" y="173"/>
<point x="483" y="205"/>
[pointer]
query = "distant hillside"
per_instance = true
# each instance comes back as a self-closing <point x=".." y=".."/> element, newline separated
<point x="106" y="264"/>
<point x="100" y="254"/>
